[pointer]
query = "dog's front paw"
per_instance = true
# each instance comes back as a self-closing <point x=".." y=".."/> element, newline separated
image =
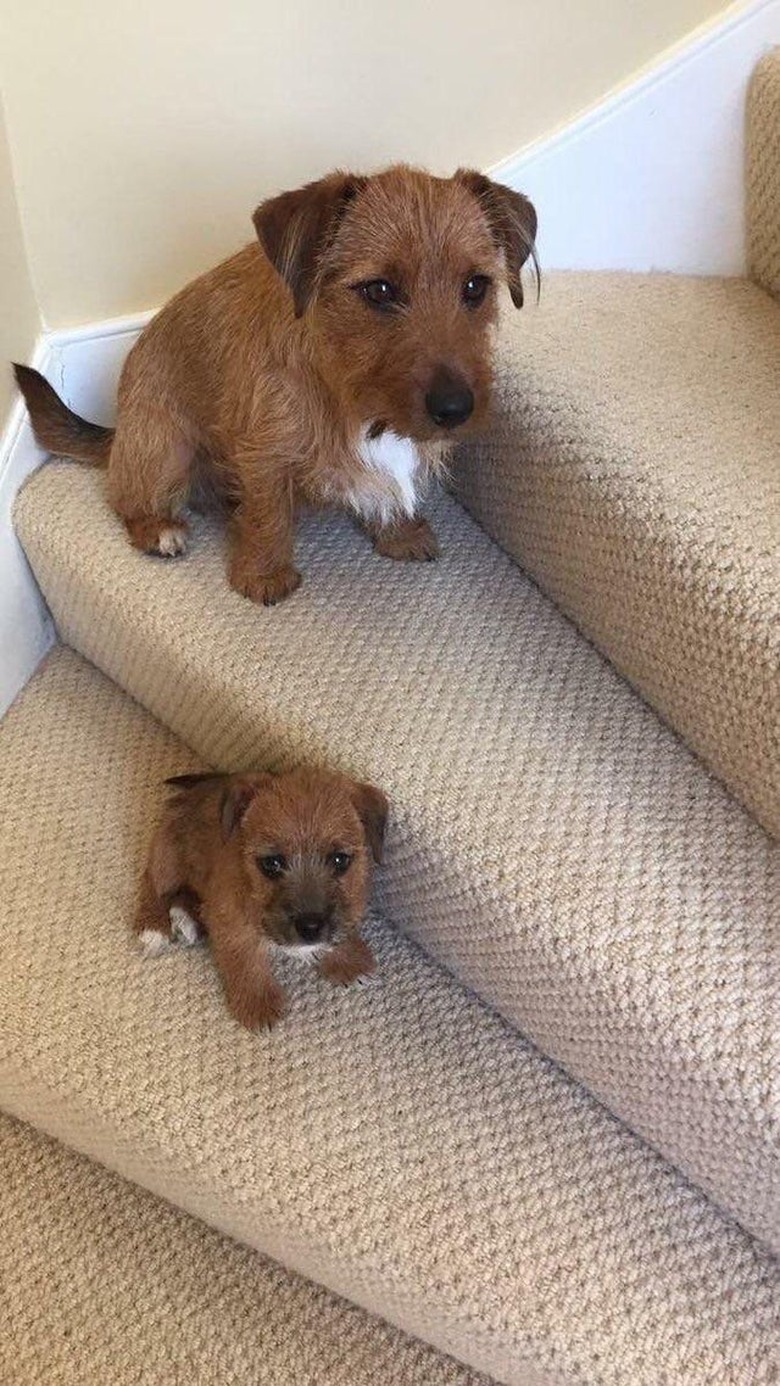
<point x="407" y="541"/>
<point x="348" y="962"/>
<point x="259" y="1010"/>
<point x="265" y="588"/>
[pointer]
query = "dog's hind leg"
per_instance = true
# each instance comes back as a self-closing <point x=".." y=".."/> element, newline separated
<point x="148" y="481"/>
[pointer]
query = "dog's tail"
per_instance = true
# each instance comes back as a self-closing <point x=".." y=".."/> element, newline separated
<point x="56" y="427"/>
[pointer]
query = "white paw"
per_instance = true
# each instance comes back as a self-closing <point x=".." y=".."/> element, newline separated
<point x="185" y="930"/>
<point x="172" y="541"/>
<point x="153" y="942"/>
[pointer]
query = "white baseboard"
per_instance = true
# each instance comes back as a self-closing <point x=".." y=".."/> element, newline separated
<point x="652" y="177"/>
<point x="26" y="628"/>
<point x="91" y="358"/>
<point x="83" y="365"/>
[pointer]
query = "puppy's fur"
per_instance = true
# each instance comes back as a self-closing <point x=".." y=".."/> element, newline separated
<point x="328" y="362"/>
<point x="260" y="862"/>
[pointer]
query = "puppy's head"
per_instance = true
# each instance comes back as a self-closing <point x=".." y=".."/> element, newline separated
<point x="399" y="276"/>
<point x="307" y="840"/>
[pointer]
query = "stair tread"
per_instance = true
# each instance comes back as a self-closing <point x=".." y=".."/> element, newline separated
<point x="398" y="1143"/>
<point x="633" y="471"/>
<point x="75" y="1238"/>
<point x="552" y="842"/>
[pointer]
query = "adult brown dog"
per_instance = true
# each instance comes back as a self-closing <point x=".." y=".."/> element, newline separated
<point x="263" y="862"/>
<point x="330" y="363"/>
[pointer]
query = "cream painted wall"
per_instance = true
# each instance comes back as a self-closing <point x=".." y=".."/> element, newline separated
<point x="144" y="131"/>
<point x="19" y="318"/>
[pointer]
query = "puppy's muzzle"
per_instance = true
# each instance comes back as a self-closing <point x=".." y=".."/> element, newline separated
<point x="449" y="401"/>
<point x="313" y="928"/>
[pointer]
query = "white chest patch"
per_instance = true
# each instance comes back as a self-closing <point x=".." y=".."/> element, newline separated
<point x="389" y="486"/>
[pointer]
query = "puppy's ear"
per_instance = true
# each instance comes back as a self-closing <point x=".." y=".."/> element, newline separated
<point x="512" y="221"/>
<point x="296" y="228"/>
<point x="239" y="793"/>
<point x="184" y="782"/>
<point x="372" y="808"/>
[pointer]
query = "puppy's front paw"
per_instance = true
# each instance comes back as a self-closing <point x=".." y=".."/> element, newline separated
<point x="347" y="963"/>
<point x="265" y="588"/>
<point x="259" y="1010"/>
<point x="407" y="541"/>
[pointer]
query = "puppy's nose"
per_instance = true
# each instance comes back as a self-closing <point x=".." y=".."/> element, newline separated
<point x="449" y="400"/>
<point x="310" y="927"/>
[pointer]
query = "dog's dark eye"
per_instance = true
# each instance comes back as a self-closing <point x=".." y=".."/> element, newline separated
<point x="273" y="866"/>
<point x="474" y="290"/>
<point x="341" y="862"/>
<point x="380" y="293"/>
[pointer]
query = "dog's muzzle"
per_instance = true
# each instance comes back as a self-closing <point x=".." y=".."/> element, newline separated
<point x="449" y="400"/>
<point x="313" y="928"/>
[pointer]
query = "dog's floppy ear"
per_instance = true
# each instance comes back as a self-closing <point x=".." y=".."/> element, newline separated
<point x="296" y="228"/>
<point x="183" y="782"/>
<point x="372" y="808"/>
<point x="512" y="221"/>
<point x="240" y="790"/>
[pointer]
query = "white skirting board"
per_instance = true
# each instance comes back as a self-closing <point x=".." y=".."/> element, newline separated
<point x="83" y="365"/>
<point x="26" y="629"/>
<point x="650" y="178"/>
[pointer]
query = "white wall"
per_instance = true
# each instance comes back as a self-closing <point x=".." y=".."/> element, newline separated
<point x="144" y="131"/>
<point x="654" y="176"/>
<point x="19" y="318"/>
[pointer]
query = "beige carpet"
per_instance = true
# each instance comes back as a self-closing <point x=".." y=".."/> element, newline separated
<point x="763" y="173"/>
<point x="397" y="1143"/>
<point x="551" y="841"/>
<point x="635" y="472"/>
<point x="103" y="1285"/>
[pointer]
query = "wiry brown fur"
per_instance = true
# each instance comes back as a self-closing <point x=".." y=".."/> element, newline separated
<point x="261" y="376"/>
<point x="206" y="858"/>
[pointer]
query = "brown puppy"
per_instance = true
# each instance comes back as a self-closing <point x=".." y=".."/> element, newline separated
<point x="330" y="363"/>
<point x="263" y="862"/>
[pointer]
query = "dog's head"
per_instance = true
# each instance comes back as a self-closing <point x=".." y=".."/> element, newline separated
<point x="398" y="275"/>
<point x="307" y="840"/>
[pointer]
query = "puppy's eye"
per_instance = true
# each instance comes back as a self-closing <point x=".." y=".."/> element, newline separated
<point x="380" y="293"/>
<point x="273" y="866"/>
<point x="341" y="862"/>
<point x="475" y="289"/>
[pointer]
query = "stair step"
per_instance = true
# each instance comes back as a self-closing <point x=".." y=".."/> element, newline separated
<point x="101" y="1282"/>
<point x="763" y="173"/>
<point x="397" y="1143"/>
<point x="552" y="842"/>
<point x="633" y="471"/>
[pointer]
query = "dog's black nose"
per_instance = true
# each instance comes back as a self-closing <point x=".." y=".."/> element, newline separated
<point x="449" y="401"/>
<point x="310" y="927"/>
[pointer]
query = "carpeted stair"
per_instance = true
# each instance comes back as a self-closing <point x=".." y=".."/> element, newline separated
<point x="595" y="861"/>
<point x="399" y="1143"/>
<point x="100" y="1282"/>
<point x="634" y="472"/>
<point x="552" y="842"/>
